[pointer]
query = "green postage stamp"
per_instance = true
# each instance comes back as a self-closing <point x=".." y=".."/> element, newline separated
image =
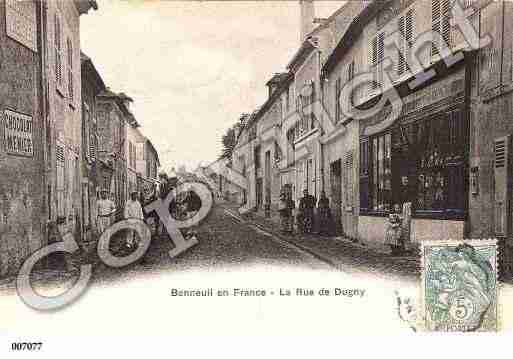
<point x="459" y="285"/>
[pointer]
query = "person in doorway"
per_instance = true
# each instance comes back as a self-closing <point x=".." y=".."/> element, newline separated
<point x="133" y="210"/>
<point x="306" y="211"/>
<point x="105" y="211"/>
<point x="324" y="212"/>
<point x="393" y="234"/>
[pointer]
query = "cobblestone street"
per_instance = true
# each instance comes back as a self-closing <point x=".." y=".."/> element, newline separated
<point x="227" y="240"/>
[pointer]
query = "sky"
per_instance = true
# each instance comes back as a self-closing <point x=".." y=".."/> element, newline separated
<point x="192" y="67"/>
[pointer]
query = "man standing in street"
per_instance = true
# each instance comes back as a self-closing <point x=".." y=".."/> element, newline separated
<point x="133" y="210"/>
<point x="106" y="209"/>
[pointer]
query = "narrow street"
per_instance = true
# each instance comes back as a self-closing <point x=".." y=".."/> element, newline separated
<point x="224" y="242"/>
<point x="229" y="241"/>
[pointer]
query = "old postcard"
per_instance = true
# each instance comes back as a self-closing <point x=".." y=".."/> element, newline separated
<point x="178" y="172"/>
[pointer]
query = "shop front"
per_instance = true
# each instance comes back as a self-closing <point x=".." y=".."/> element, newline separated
<point x="422" y="159"/>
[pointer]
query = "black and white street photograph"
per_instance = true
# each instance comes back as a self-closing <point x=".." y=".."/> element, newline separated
<point x="287" y="169"/>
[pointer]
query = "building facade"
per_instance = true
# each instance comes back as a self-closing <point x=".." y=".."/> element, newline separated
<point x="112" y="132"/>
<point x="92" y="86"/>
<point x="447" y="150"/>
<point x="41" y="124"/>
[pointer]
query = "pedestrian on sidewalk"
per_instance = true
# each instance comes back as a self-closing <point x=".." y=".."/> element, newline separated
<point x="105" y="210"/>
<point x="393" y="234"/>
<point x="133" y="210"/>
<point x="286" y="207"/>
<point x="306" y="212"/>
<point x="324" y="213"/>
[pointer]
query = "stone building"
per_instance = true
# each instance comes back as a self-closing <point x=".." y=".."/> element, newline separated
<point x="40" y="102"/>
<point x="148" y="169"/>
<point x="490" y="153"/>
<point x="92" y="85"/>
<point x="23" y="212"/>
<point x="439" y="153"/>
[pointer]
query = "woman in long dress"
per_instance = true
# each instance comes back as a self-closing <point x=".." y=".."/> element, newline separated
<point x="286" y="206"/>
<point x="306" y="209"/>
<point x="324" y="212"/>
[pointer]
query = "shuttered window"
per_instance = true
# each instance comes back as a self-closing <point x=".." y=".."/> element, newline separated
<point x="350" y="76"/>
<point x="338" y="88"/>
<point x="406" y="29"/>
<point x="70" y="69"/>
<point x="440" y="22"/>
<point x="60" y="166"/>
<point x="364" y="175"/>
<point x="92" y="147"/>
<point x="348" y="179"/>
<point x="377" y="55"/>
<point x="58" y="50"/>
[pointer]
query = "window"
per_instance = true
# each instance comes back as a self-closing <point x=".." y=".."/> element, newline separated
<point x="381" y="172"/>
<point x="60" y="188"/>
<point x="422" y="162"/>
<point x="350" y="77"/>
<point x="92" y="147"/>
<point x="256" y="155"/>
<point x="377" y="56"/>
<point x="348" y="179"/>
<point x="406" y="29"/>
<point x="70" y="69"/>
<point x="364" y="175"/>
<point x="58" y="50"/>
<point x="440" y="22"/>
<point x="338" y="90"/>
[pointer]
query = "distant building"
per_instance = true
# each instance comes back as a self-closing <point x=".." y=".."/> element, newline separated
<point x="112" y="117"/>
<point x="92" y="86"/>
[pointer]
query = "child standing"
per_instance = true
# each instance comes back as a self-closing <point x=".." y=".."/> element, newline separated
<point x="393" y="235"/>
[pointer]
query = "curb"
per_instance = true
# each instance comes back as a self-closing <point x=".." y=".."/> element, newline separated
<point x="312" y="252"/>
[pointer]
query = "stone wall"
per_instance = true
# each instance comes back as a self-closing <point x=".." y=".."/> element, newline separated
<point x="22" y="210"/>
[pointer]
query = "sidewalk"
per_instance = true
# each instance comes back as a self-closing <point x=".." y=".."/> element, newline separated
<point x="338" y="251"/>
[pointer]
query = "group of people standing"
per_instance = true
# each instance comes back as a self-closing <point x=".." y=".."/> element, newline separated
<point x="397" y="231"/>
<point x="107" y="208"/>
<point x="306" y="213"/>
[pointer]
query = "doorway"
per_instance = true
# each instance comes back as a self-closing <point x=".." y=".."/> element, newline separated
<point x="336" y="194"/>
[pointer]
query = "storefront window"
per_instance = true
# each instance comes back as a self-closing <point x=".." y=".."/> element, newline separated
<point x="422" y="162"/>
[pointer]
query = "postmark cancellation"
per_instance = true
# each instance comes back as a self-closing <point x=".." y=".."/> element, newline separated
<point x="459" y="285"/>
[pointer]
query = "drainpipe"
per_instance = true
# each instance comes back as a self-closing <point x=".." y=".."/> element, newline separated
<point x="321" y="103"/>
<point x="43" y="110"/>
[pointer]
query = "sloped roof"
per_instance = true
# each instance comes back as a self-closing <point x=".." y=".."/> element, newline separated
<point x="88" y="66"/>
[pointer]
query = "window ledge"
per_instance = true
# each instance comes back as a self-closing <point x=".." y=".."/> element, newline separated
<point x="449" y="216"/>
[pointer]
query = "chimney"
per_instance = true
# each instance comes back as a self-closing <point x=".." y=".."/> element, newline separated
<point x="307" y="18"/>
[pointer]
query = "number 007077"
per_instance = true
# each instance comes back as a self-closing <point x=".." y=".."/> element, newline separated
<point x="31" y="346"/>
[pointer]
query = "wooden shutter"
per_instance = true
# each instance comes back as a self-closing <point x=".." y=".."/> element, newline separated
<point x="70" y="69"/>
<point x="349" y="179"/>
<point x="337" y="99"/>
<point x="405" y="26"/>
<point x="502" y="188"/>
<point x="401" y="62"/>
<point x="60" y="175"/>
<point x="440" y="22"/>
<point x="373" y="60"/>
<point x="92" y="147"/>
<point x="376" y="57"/>
<point x="58" y="50"/>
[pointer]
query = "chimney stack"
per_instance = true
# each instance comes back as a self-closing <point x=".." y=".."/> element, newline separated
<point x="307" y="18"/>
